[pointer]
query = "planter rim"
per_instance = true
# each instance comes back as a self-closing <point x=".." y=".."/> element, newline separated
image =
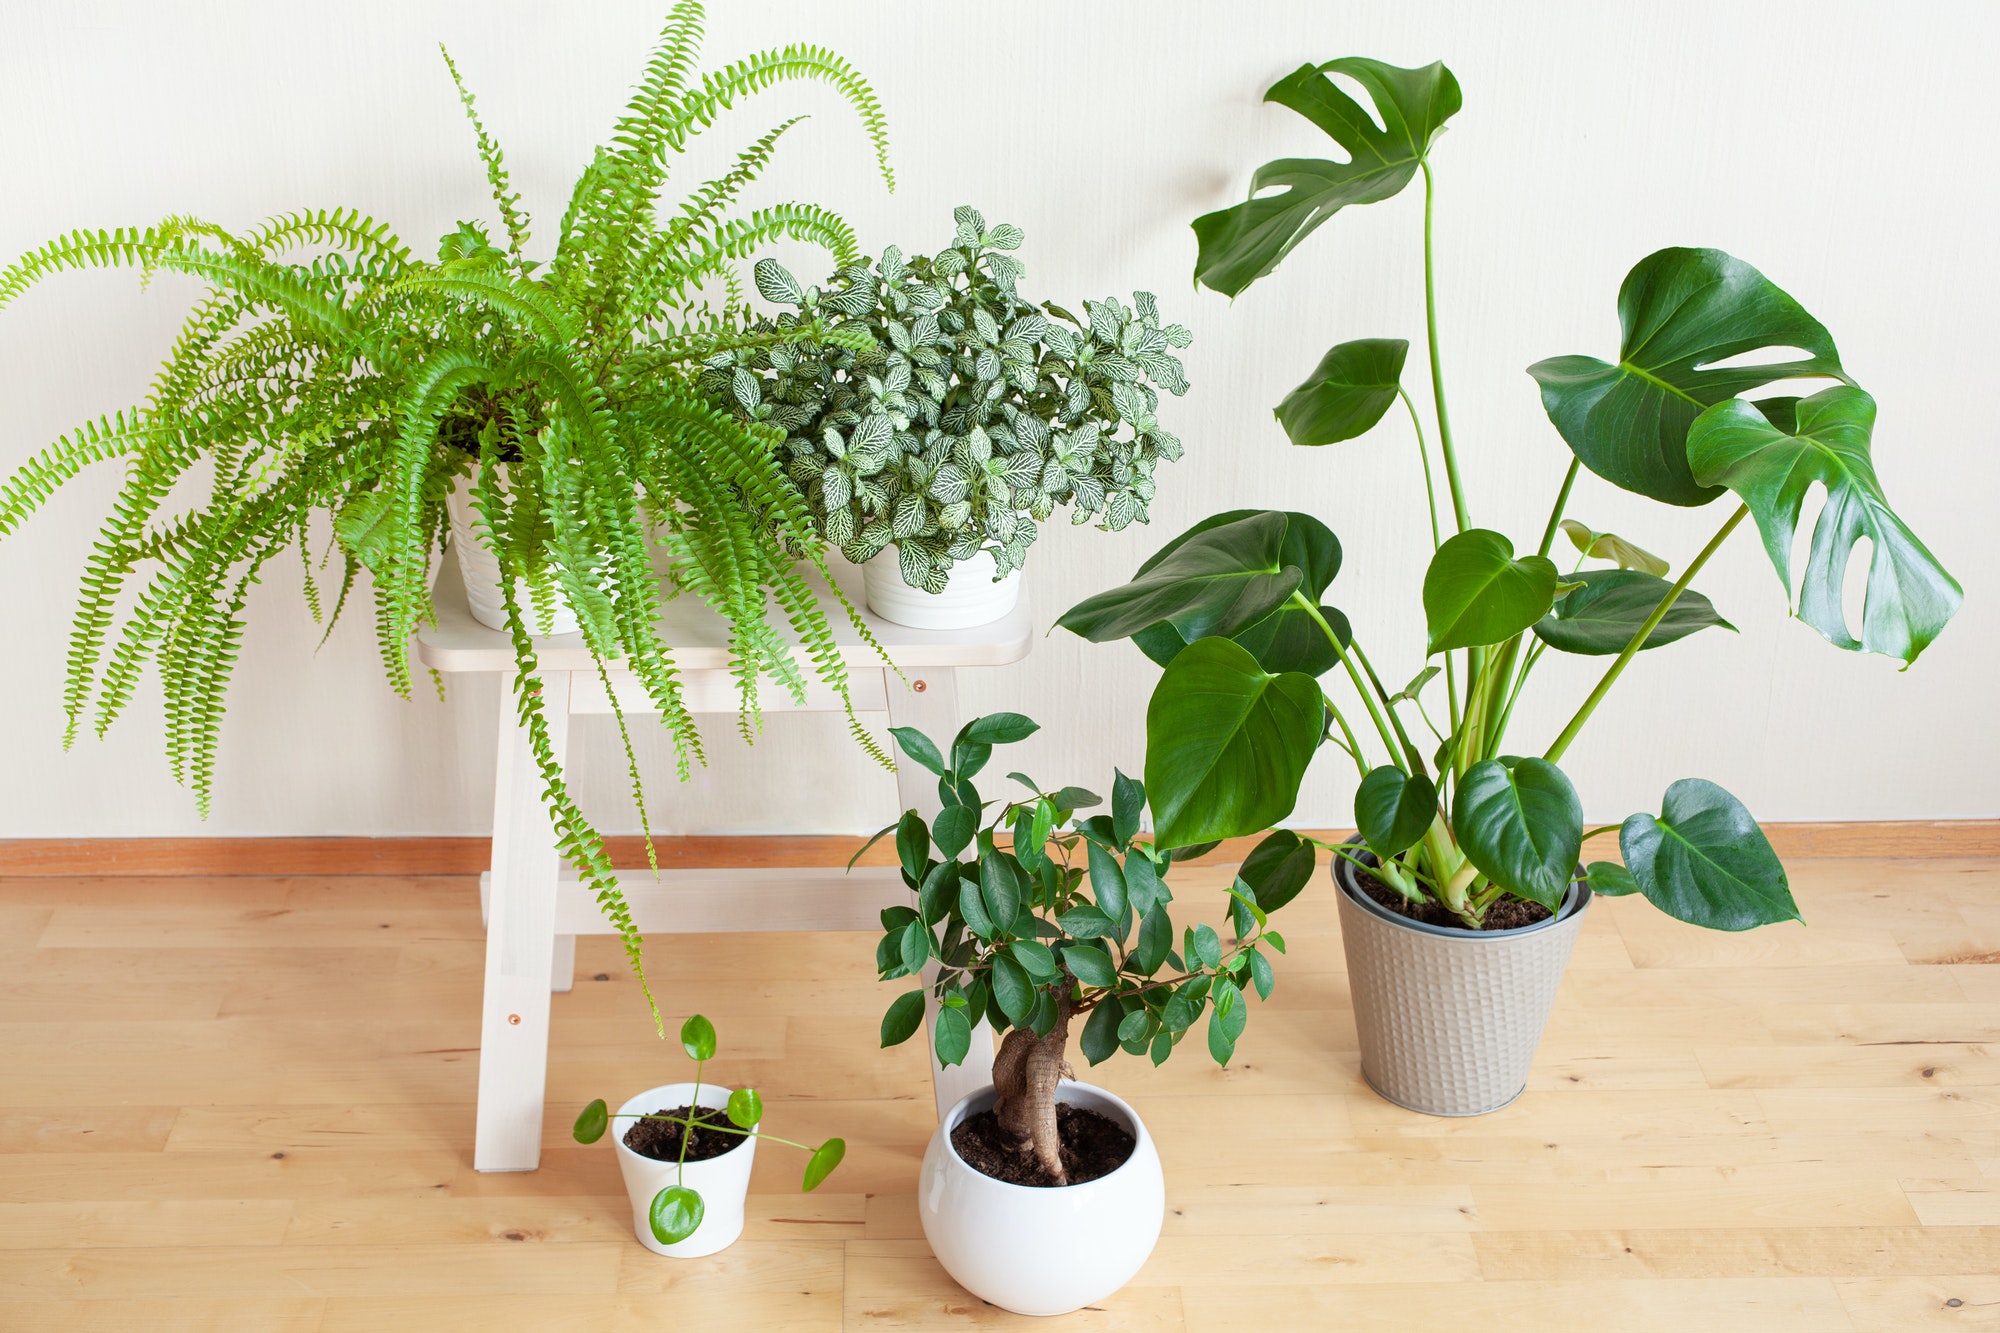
<point x="1573" y="902"/>
<point x="959" y="1112"/>
<point x="684" y="1092"/>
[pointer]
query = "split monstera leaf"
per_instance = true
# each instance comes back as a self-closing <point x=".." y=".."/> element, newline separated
<point x="1232" y="610"/>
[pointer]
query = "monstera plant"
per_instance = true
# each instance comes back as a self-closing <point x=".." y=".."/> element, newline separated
<point x="1233" y="608"/>
<point x="968" y="416"/>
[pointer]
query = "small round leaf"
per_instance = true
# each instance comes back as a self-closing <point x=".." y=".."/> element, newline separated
<point x="698" y="1038"/>
<point x="746" y="1108"/>
<point x="676" y="1213"/>
<point x="590" y="1125"/>
<point x="820" y="1165"/>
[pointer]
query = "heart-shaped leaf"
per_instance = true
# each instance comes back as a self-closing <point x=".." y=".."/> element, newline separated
<point x="591" y="1122"/>
<point x="698" y="1038"/>
<point x="905" y="1016"/>
<point x="1393" y="809"/>
<point x="1610" y="879"/>
<point x="746" y="1105"/>
<point x="1287" y="639"/>
<point x="1521" y="824"/>
<point x="1910" y="596"/>
<point x="1681" y="311"/>
<point x="1219" y="581"/>
<point x="1610" y="546"/>
<point x="1276" y="870"/>
<point x="1602" y="616"/>
<point x="1705" y="861"/>
<point x="675" y="1214"/>
<point x="1240" y="245"/>
<point x="1476" y="592"/>
<point x="1347" y="393"/>
<point x="820" y="1165"/>
<point x="1227" y="744"/>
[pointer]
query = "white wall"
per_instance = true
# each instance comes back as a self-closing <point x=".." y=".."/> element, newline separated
<point x="1846" y="149"/>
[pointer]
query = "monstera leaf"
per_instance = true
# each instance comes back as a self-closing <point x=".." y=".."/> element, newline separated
<point x="1610" y="546"/>
<point x="1217" y="581"/>
<point x="1227" y="744"/>
<point x="1825" y="439"/>
<point x="1349" y="390"/>
<point x="1681" y="311"/>
<point x="1287" y="639"/>
<point x="1520" y="822"/>
<point x="1240" y="245"/>
<point x="1476" y="592"/>
<point x="1601" y="617"/>
<point x="1705" y="861"/>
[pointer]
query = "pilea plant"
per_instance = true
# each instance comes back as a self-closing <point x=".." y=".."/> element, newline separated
<point x="677" y="1210"/>
<point x="968" y="416"/>
<point x="1060" y="924"/>
<point x="328" y="378"/>
<point x="1232" y="608"/>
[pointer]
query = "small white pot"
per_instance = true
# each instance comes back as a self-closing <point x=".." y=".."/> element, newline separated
<point x="480" y="569"/>
<point x="1042" y="1251"/>
<point x="723" y="1182"/>
<point x="971" y="596"/>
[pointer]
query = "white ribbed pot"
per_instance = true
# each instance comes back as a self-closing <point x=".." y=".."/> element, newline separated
<point x="1450" y="1019"/>
<point x="723" y="1182"/>
<point x="971" y="597"/>
<point x="480" y="568"/>
<point x="1042" y="1251"/>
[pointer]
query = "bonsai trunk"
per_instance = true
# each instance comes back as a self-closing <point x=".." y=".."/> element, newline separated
<point x="1025" y="1074"/>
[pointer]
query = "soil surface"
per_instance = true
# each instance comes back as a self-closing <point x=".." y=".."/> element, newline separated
<point x="1505" y="914"/>
<point x="1093" y="1145"/>
<point x="661" y="1139"/>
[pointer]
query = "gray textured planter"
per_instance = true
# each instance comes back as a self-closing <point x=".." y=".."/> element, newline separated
<point x="1450" y="1019"/>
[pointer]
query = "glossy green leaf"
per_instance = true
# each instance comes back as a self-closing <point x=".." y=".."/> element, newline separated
<point x="1156" y="938"/>
<point x="1610" y="546"/>
<point x="1227" y="744"/>
<point x="917" y="946"/>
<point x="1602" y="616"/>
<point x="998" y="729"/>
<point x="1134" y="1027"/>
<point x="1100" y="1034"/>
<point x="1347" y="393"/>
<point x="913" y="845"/>
<point x="1035" y="958"/>
<point x="953" y="828"/>
<point x="1012" y="987"/>
<point x="1241" y="244"/>
<point x="746" y="1107"/>
<point x="1680" y="311"/>
<point x="1219" y="581"/>
<point x="1910" y="597"/>
<point x="1522" y="825"/>
<point x="1087" y="923"/>
<point x="1610" y="879"/>
<point x="1287" y="639"/>
<point x="591" y="1122"/>
<point x="675" y="1214"/>
<point x="968" y="757"/>
<point x="1705" y="861"/>
<point x="972" y="907"/>
<point x="939" y="893"/>
<point x="1077" y="798"/>
<point x="1107" y="881"/>
<point x="1261" y="975"/>
<point x="821" y="1164"/>
<point x="1000" y="886"/>
<point x="951" y="1036"/>
<point x="1128" y="804"/>
<point x="1143" y="886"/>
<point x="920" y="748"/>
<point x="698" y="1038"/>
<point x="1476" y="592"/>
<point x="1393" y="809"/>
<point x="1226" y="1021"/>
<point x="1207" y="946"/>
<point x="905" y="1016"/>
<point x="1090" y="965"/>
<point x="1184" y="1005"/>
<point x="1276" y="870"/>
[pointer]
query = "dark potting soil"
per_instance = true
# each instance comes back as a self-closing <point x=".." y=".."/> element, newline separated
<point x="661" y="1139"/>
<point x="1506" y="914"/>
<point x="1093" y="1145"/>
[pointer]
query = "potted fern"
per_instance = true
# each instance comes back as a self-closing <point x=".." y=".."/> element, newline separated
<point x="930" y="451"/>
<point x="1462" y="893"/>
<point x="546" y="415"/>
<point x="1039" y="1193"/>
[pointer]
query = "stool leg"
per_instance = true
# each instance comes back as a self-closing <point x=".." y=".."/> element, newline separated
<point x="930" y="704"/>
<point x="520" y="942"/>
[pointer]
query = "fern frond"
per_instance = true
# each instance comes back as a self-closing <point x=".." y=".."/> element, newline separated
<point x="96" y="441"/>
<point x="508" y="202"/>
<point x="718" y="92"/>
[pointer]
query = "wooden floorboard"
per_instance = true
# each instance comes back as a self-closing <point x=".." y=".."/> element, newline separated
<point x="234" y="1102"/>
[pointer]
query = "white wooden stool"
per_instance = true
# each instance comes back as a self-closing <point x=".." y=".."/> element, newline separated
<point x="534" y="905"/>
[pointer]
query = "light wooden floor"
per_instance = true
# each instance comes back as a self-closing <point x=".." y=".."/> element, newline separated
<point x="246" y="1104"/>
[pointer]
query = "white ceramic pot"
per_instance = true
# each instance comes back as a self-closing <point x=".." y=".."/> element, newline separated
<point x="1042" y="1251"/>
<point x="723" y="1182"/>
<point x="1449" y="1019"/>
<point x="971" y="596"/>
<point x="480" y="569"/>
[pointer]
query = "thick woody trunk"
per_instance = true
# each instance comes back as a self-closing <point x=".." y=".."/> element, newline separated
<point x="1025" y="1074"/>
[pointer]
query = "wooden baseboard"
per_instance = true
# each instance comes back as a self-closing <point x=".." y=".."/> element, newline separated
<point x="32" y="858"/>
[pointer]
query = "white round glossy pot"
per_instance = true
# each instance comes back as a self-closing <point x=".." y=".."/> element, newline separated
<point x="1042" y="1251"/>
<point x="723" y="1182"/>
<point x="480" y="570"/>
<point x="971" y="596"/>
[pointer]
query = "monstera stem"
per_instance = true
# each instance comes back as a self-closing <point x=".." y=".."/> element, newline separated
<point x="1437" y="366"/>
<point x="1025" y="1073"/>
<point x="1639" y="638"/>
